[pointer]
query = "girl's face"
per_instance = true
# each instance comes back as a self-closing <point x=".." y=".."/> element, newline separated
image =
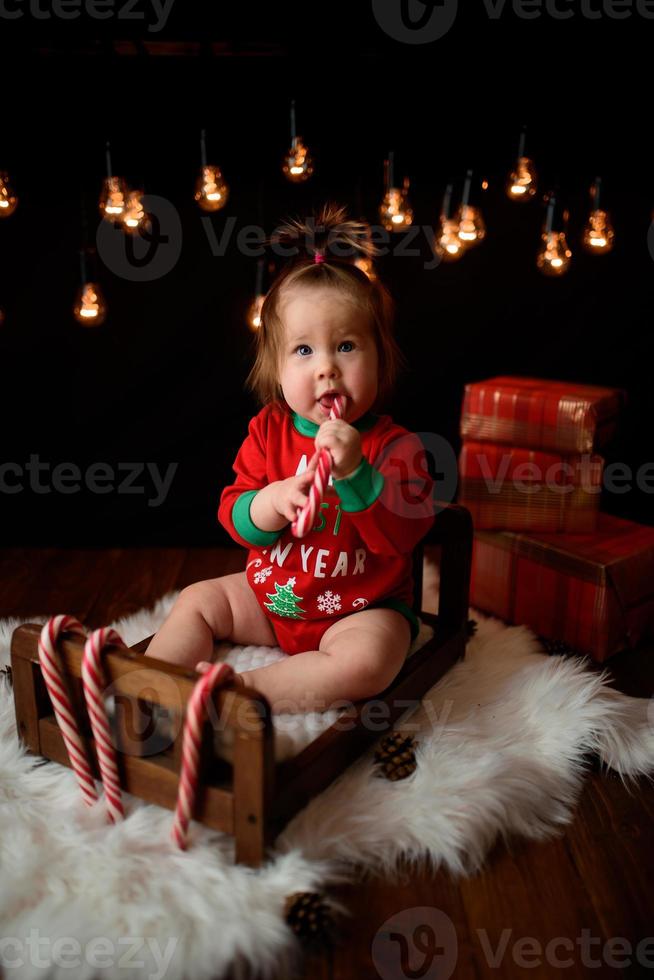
<point x="328" y="346"/>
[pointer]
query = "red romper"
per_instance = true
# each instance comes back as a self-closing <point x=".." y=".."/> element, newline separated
<point x="359" y="552"/>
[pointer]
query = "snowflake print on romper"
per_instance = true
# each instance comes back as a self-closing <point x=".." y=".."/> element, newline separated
<point x="261" y="576"/>
<point x="284" y="602"/>
<point x="329" y="602"/>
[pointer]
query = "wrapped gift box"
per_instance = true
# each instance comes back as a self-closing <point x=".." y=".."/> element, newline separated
<point x="594" y="592"/>
<point x="516" y="489"/>
<point x="553" y="415"/>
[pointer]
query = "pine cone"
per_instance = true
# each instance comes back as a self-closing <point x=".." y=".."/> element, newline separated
<point x="556" y="648"/>
<point x="471" y="627"/>
<point x="396" y="756"/>
<point x="308" y="916"/>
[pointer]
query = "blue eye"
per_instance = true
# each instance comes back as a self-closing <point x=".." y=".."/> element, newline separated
<point x="345" y="344"/>
<point x="297" y="349"/>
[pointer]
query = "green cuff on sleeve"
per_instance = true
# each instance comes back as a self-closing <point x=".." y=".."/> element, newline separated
<point x="360" y="489"/>
<point x="244" y="525"/>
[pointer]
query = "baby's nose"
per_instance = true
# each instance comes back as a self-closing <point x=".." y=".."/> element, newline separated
<point x="327" y="366"/>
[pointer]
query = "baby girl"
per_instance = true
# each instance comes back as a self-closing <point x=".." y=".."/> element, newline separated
<point x="339" y="599"/>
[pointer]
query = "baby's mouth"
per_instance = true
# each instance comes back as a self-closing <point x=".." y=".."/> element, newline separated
<point x="327" y="402"/>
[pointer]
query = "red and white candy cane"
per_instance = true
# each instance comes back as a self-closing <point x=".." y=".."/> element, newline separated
<point x="52" y="675"/>
<point x="306" y="516"/>
<point x="219" y="672"/>
<point x="93" y="681"/>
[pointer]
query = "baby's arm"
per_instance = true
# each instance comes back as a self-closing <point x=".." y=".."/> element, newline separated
<point x="253" y="510"/>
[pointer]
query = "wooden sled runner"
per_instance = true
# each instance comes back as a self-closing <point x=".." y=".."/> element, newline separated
<point x="253" y="797"/>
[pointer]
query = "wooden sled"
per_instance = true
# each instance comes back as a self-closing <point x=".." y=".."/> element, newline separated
<point x="253" y="797"/>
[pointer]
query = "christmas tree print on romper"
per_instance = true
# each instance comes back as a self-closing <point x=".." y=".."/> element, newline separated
<point x="284" y="602"/>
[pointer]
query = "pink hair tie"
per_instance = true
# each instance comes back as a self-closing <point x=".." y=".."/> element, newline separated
<point x="319" y="257"/>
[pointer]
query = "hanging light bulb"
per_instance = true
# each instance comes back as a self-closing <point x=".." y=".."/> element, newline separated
<point x="522" y="181"/>
<point x="211" y="191"/>
<point x="554" y="256"/>
<point x="134" y="215"/>
<point x="447" y="243"/>
<point x="366" y="265"/>
<point x="366" y="262"/>
<point x="254" y="309"/>
<point x="598" y="234"/>
<point x="89" y="308"/>
<point x="298" y="165"/>
<point x="395" y="211"/>
<point x="8" y="200"/>
<point x="471" y="229"/>
<point x="114" y="193"/>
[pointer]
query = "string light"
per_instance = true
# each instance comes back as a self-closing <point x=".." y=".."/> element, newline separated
<point x="598" y="233"/>
<point x="395" y="211"/>
<point x="254" y="309"/>
<point x="298" y="165"/>
<point x="522" y="181"/>
<point x="211" y="191"/>
<point x="134" y="216"/>
<point x="8" y="200"/>
<point x="365" y="262"/>
<point x="447" y="243"/>
<point x="471" y="228"/>
<point x="554" y="256"/>
<point x="89" y="308"/>
<point x="114" y="193"/>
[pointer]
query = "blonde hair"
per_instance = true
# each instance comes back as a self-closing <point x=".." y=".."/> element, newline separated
<point x="338" y="242"/>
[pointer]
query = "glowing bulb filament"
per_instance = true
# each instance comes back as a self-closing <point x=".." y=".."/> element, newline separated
<point x="211" y="191"/>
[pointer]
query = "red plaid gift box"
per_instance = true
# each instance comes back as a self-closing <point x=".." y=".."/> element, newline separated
<point x="516" y="489"/>
<point x="555" y="415"/>
<point x="594" y="592"/>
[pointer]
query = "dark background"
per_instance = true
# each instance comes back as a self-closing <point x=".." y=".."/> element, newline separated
<point x="163" y="379"/>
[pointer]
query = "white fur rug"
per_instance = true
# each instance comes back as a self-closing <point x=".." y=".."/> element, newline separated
<point x="503" y="742"/>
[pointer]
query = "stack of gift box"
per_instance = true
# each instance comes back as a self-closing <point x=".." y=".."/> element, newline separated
<point x="531" y="474"/>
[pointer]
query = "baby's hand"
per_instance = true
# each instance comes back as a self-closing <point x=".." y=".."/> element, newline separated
<point x="344" y="443"/>
<point x="293" y="493"/>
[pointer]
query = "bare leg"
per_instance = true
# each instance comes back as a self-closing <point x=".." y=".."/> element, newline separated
<point x="217" y="609"/>
<point x="353" y="662"/>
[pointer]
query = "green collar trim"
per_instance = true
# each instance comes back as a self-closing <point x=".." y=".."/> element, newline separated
<point x="308" y="428"/>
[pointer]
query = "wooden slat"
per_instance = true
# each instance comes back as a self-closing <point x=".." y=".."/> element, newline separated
<point x="131" y="582"/>
<point x="420" y="902"/>
<point x="530" y="890"/>
<point x="69" y="581"/>
<point x="26" y="702"/>
<point x="154" y="780"/>
<point x="19" y="569"/>
<point x="206" y="563"/>
<point x="254" y="767"/>
<point x="610" y="843"/>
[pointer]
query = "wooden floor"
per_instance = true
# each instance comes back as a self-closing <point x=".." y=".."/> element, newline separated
<point x="589" y="888"/>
